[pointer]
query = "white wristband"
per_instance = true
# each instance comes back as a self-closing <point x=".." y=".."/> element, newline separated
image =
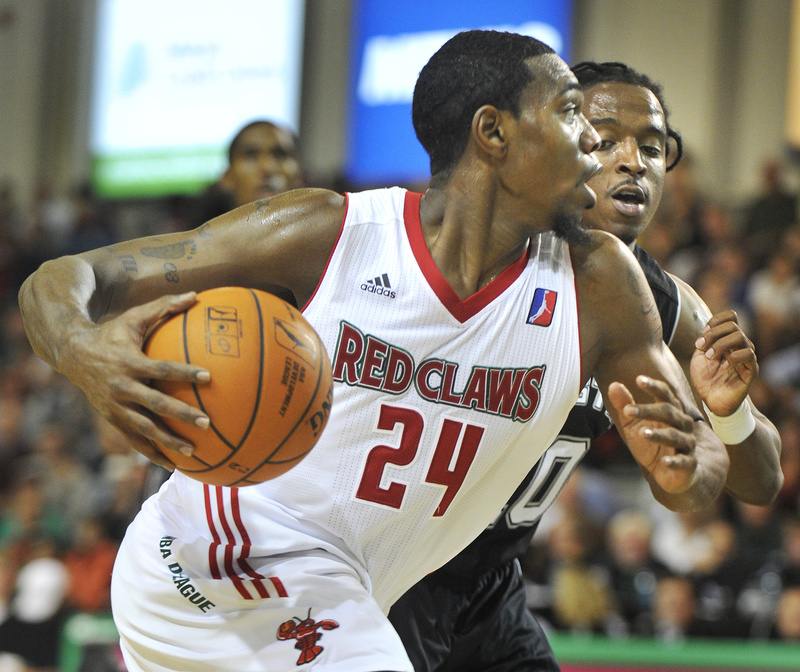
<point x="733" y="428"/>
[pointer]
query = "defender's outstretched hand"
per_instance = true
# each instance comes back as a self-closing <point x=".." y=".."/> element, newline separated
<point x="722" y="370"/>
<point x="107" y="363"/>
<point x="659" y="434"/>
<point x="724" y="364"/>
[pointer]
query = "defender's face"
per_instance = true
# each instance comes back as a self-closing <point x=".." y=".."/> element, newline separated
<point x="549" y="160"/>
<point x="632" y="151"/>
<point x="263" y="165"/>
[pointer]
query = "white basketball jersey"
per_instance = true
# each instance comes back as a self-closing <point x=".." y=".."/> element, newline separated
<point x="440" y="407"/>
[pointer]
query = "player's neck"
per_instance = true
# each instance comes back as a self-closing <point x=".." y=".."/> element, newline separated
<point x="465" y="241"/>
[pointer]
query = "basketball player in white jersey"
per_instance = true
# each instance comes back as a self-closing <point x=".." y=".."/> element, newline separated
<point x="446" y="390"/>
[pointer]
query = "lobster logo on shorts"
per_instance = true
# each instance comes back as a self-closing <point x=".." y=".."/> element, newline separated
<point x="305" y="632"/>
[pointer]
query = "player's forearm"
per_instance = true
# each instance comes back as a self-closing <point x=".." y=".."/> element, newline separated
<point x="708" y="479"/>
<point x="755" y="475"/>
<point x="54" y="303"/>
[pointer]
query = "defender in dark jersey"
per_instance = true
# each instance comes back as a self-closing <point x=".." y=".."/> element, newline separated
<point x="471" y="614"/>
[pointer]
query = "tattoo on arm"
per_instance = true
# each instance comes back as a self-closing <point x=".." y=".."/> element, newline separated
<point x="183" y="250"/>
<point x="171" y="272"/>
<point x="648" y="308"/>
<point x="263" y="206"/>
<point x="633" y="283"/>
<point x="203" y="231"/>
<point x="129" y="263"/>
<point x="656" y="334"/>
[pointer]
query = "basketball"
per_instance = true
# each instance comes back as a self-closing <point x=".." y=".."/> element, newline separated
<point x="270" y="392"/>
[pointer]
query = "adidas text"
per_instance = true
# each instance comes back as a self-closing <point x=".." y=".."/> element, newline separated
<point x="374" y="289"/>
<point x="379" y="285"/>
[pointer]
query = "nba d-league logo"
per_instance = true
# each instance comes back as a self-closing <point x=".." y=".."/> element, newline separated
<point x="542" y="307"/>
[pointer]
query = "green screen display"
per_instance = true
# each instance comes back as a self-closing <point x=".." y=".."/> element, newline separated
<point x="168" y="94"/>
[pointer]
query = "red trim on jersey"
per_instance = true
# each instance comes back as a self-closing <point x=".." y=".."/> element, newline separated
<point x="330" y="255"/>
<point x="461" y="310"/>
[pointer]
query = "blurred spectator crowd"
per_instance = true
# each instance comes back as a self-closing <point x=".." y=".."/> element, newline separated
<point x="607" y="558"/>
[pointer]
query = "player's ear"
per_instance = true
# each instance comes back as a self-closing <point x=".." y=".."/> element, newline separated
<point x="674" y="149"/>
<point x="489" y="131"/>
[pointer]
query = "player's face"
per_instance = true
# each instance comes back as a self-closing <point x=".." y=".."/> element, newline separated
<point x="264" y="164"/>
<point x="550" y="160"/>
<point x="633" y="151"/>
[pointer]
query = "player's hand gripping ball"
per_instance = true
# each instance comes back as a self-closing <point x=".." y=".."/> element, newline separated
<point x="270" y="392"/>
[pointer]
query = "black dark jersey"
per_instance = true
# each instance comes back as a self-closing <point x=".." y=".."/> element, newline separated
<point x="511" y="533"/>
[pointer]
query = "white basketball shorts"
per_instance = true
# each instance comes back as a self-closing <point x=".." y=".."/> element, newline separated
<point x="301" y="612"/>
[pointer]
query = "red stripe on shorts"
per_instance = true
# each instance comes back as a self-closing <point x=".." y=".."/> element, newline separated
<point x="237" y="518"/>
<point x="278" y="586"/>
<point x="232" y="575"/>
<point x="212" y="549"/>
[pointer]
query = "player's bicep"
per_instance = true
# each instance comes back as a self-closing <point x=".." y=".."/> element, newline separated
<point x="249" y="246"/>
<point x="294" y="235"/>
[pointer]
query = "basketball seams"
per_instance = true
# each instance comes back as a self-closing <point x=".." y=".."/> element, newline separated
<point x="259" y="385"/>
<point x="304" y="415"/>
<point x="224" y="322"/>
<point x="233" y="448"/>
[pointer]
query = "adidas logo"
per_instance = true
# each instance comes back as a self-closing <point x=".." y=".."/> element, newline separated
<point x="379" y="285"/>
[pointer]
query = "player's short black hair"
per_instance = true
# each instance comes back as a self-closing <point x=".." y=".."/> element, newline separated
<point x="590" y="73"/>
<point x="237" y="139"/>
<point x="473" y="68"/>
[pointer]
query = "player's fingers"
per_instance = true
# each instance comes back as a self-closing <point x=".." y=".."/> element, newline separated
<point x="121" y="421"/>
<point x="745" y="364"/>
<point x="165" y="405"/>
<point x="155" y="432"/>
<point x="680" y="441"/>
<point x="728" y="336"/>
<point x="619" y="396"/>
<point x="745" y="356"/>
<point x="155" y="455"/>
<point x="680" y="462"/>
<point x="146" y="317"/>
<point x="658" y="389"/>
<point x="722" y="317"/>
<point x="708" y="341"/>
<point x="666" y="414"/>
<point x="163" y="306"/>
<point x="722" y="330"/>
<point x="162" y="369"/>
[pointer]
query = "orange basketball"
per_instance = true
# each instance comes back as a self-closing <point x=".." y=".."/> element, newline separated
<point x="270" y="392"/>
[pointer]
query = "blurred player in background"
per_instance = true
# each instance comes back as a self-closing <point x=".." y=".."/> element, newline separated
<point x="262" y="161"/>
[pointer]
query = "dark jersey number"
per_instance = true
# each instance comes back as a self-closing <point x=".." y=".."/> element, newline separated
<point x="551" y="473"/>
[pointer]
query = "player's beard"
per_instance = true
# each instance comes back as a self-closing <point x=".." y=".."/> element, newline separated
<point x="569" y="227"/>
